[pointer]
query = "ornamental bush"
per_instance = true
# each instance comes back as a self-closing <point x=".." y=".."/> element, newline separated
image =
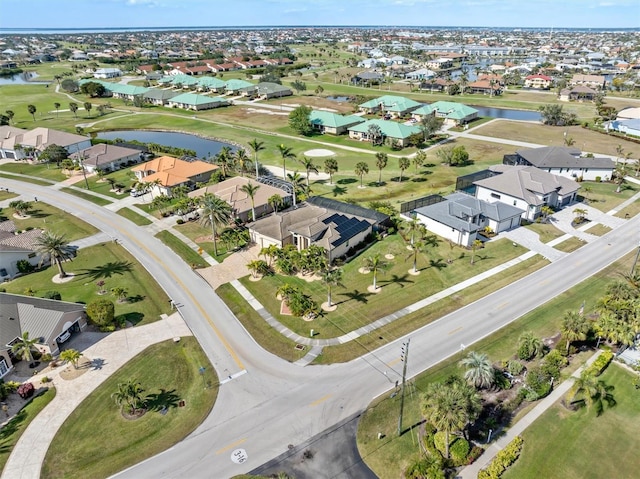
<point x="25" y="391"/>
<point x="503" y="460"/>
<point x="600" y="364"/>
<point x="101" y="312"/>
<point x="459" y="451"/>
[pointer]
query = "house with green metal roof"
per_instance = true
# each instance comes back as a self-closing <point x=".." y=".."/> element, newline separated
<point x="126" y="92"/>
<point x="235" y="86"/>
<point x="193" y="101"/>
<point x="212" y="84"/>
<point x="332" y="123"/>
<point x="390" y="130"/>
<point x="160" y="97"/>
<point x="450" y="112"/>
<point x="394" y="106"/>
<point x="267" y="90"/>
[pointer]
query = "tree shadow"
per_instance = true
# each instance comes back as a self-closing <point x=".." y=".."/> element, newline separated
<point x="438" y="264"/>
<point x="400" y="280"/>
<point x="429" y="165"/>
<point x="418" y="179"/>
<point x="107" y="270"/>
<point x="162" y="400"/>
<point x="346" y="181"/>
<point x="355" y="295"/>
<point x="338" y="191"/>
<point x="135" y="299"/>
<point x="38" y="214"/>
<point x="426" y="172"/>
<point x="373" y="184"/>
<point x="396" y="179"/>
<point x="13" y="425"/>
<point x="133" y="318"/>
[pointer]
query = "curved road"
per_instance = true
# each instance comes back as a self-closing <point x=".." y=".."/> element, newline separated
<point x="269" y="403"/>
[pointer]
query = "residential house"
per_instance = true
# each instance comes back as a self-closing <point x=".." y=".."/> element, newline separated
<point x="563" y="161"/>
<point x="336" y="226"/>
<point x="159" y="97"/>
<point x="421" y="74"/>
<point x="106" y="157"/>
<point x="8" y="141"/>
<point x="578" y="93"/>
<point x="230" y="190"/>
<point x="391" y="131"/>
<point x="459" y="217"/>
<point x="236" y="86"/>
<point x="332" y="123"/>
<point x="628" y="127"/>
<point x="437" y="85"/>
<point x="598" y="82"/>
<point x="367" y="78"/>
<point x="451" y="112"/>
<point x="527" y="188"/>
<point x="47" y="320"/>
<point x="393" y="106"/>
<point x="15" y="247"/>
<point x="195" y="102"/>
<point x="485" y="87"/>
<point x="125" y="92"/>
<point x="16" y="143"/>
<point x="267" y="90"/>
<point x="165" y="173"/>
<point x="440" y="64"/>
<point x="107" y="73"/>
<point x="538" y="82"/>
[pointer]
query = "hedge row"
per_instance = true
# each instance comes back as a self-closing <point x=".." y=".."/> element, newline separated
<point x="503" y="460"/>
<point x="600" y="364"/>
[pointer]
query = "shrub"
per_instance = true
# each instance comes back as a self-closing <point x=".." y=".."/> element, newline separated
<point x="524" y="352"/>
<point x="24" y="266"/>
<point x="553" y="363"/>
<point x="600" y="364"/>
<point x="180" y="221"/>
<point x="46" y="357"/>
<point x="503" y="460"/>
<point x="474" y="454"/>
<point x="25" y="391"/>
<point x="539" y="382"/>
<point x="52" y="295"/>
<point x="101" y="312"/>
<point x="12" y="386"/>
<point x="515" y="367"/>
<point x="45" y="379"/>
<point x="459" y="450"/>
<point x="598" y="179"/>
<point x="3" y="390"/>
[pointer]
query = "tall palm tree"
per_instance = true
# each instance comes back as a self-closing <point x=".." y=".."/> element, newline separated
<point x="415" y="229"/>
<point x="32" y="111"/>
<point x="474" y="247"/>
<point x="308" y="166"/>
<point x="73" y="106"/>
<point x="381" y="163"/>
<point x="225" y="159"/>
<point x="242" y="160"/>
<point x="275" y="201"/>
<point x="214" y="211"/>
<point x="251" y="190"/>
<point x="331" y="277"/>
<point x="23" y="347"/>
<point x="619" y="176"/>
<point x="287" y="154"/>
<point x="330" y="167"/>
<point x="56" y="105"/>
<point x="256" y="146"/>
<point x="403" y="164"/>
<point x="479" y="370"/>
<point x="574" y="327"/>
<point x="375" y="264"/>
<point x="361" y="169"/>
<point x="55" y="248"/>
<point x="590" y="392"/>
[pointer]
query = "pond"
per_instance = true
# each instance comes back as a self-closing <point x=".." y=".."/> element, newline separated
<point x="203" y="147"/>
<point x="508" y="114"/>
<point x="339" y="99"/>
<point x="23" y="78"/>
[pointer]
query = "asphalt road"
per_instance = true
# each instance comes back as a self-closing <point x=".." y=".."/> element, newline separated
<point x="276" y="404"/>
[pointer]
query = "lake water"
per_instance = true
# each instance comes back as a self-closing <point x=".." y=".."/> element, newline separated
<point x="203" y="147"/>
<point x="20" y="79"/>
<point x="508" y="114"/>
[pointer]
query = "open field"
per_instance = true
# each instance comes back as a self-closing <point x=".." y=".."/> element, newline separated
<point x="168" y="373"/>
<point x="605" y="446"/>
<point x="392" y="454"/>
<point x="106" y="262"/>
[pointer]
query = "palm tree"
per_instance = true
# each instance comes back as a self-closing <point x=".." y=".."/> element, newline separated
<point x="308" y="166"/>
<point x="580" y="213"/>
<point x="275" y="201"/>
<point x="56" y="105"/>
<point x="546" y="212"/>
<point x="574" y="327"/>
<point x="414" y="227"/>
<point x="403" y="164"/>
<point x="258" y="267"/>
<point x="330" y="167"/>
<point x="375" y="264"/>
<point x="214" y="211"/>
<point x="287" y="154"/>
<point x="21" y="207"/>
<point x="381" y="163"/>
<point x="270" y="253"/>
<point x="242" y="160"/>
<point x="479" y="370"/>
<point x="419" y="159"/>
<point x="589" y="391"/>
<point x="73" y="106"/>
<point x="361" y="169"/>
<point x="256" y="146"/>
<point x="531" y="344"/>
<point x="251" y="190"/>
<point x="55" y="248"/>
<point x="618" y="176"/>
<point x="72" y="356"/>
<point x="129" y="394"/>
<point x="225" y="159"/>
<point x="32" y="111"/>
<point x="23" y="346"/>
<point x="474" y="246"/>
<point x="331" y="277"/>
<point x="120" y="294"/>
<point x="10" y="114"/>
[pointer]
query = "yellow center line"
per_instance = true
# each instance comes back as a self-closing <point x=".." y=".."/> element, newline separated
<point x="503" y="305"/>
<point x="231" y="446"/>
<point x="455" y="331"/>
<point x="321" y="400"/>
<point x="185" y="290"/>
<point x="394" y="362"/>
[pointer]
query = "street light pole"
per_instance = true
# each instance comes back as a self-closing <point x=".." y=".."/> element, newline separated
<point x="404" y="357"/>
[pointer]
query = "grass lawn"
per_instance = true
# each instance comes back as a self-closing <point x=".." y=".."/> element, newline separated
<point x="202" y="237"/>
<point x="603" y="196"/>
<point x="631" y="210"/>
<point x="598" y="230"/>
<point x="181" y="249"/>
<point x="45" y="216"/>
<point x="45" y="171"/>
<point x="580" y="445"/>
<point x="546" y="231"/>
<point x="258" y="328"/>
<point x="6" y="195"/>
<point x="134" y="217"/>
<point x="86" y="196"/>
<point x="392" y="454"/>
<point x="123" y="177"/>
<point x="34" y="181"/>
<point x="357" y="307"/>
<point x="168" y="373"/>
<point x="570" y="245"/>
<point x="10" y="433"/>
<point x="113" y="265"/>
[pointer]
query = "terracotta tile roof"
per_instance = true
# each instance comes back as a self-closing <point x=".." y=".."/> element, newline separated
<point x="172" y="171"/>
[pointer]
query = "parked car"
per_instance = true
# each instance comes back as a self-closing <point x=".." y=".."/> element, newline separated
<point x="136" y="193"/>
<point x="64" y="337"/>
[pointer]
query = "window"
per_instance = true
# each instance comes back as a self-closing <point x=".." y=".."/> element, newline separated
<point x="495" y="195"/>
<point x="32" y="255"/>
<point x="4" y="369"/>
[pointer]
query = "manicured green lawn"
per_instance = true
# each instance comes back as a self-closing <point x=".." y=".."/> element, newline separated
<point x="45" y="171"/>
<point x="358" y="307"/>
<point x="33" y="181"/>
<point x="134" y="217"/>
<point x="97" y="441"/>
<point x="546" y="231"/>
<point x="202" y="236"/>
<point x="603" y="195"/>
<point x="580" y="445"/>
<point x="10" y="433"/>
<point x="181" y="249"/>
<point x="123" y="177"/>
<point x="45" y="216"/>
<point x="106" y="262"/>
<point x="392" y="454"/>
<point x="86" y="196"/>
<point x="4" y="195"/>
<point x="570" y="245"/>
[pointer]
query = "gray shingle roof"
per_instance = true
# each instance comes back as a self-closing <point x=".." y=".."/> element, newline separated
<point x="561" y="157"/>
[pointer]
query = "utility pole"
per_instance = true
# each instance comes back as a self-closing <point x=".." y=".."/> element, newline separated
<point x="404" y="357"/>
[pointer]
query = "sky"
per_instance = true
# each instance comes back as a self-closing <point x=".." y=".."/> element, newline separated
<point x="211" y="13"/>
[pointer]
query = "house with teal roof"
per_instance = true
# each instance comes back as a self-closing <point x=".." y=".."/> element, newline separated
<point x="212" y="84"/>
<point x="390" y="130"/>
<point x="126" y="92"/>
<point x="193" y="101"/>
<point x="332" y="123"/>
<point x="159" y="96"/>
<point x="235" y="86"/>
<point x="395" y="106"/>
<point x="451" y="112"/>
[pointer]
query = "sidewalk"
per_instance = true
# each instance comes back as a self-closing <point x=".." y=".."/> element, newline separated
<point x="107" y="355"/>
<point x="471" y="472"/>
